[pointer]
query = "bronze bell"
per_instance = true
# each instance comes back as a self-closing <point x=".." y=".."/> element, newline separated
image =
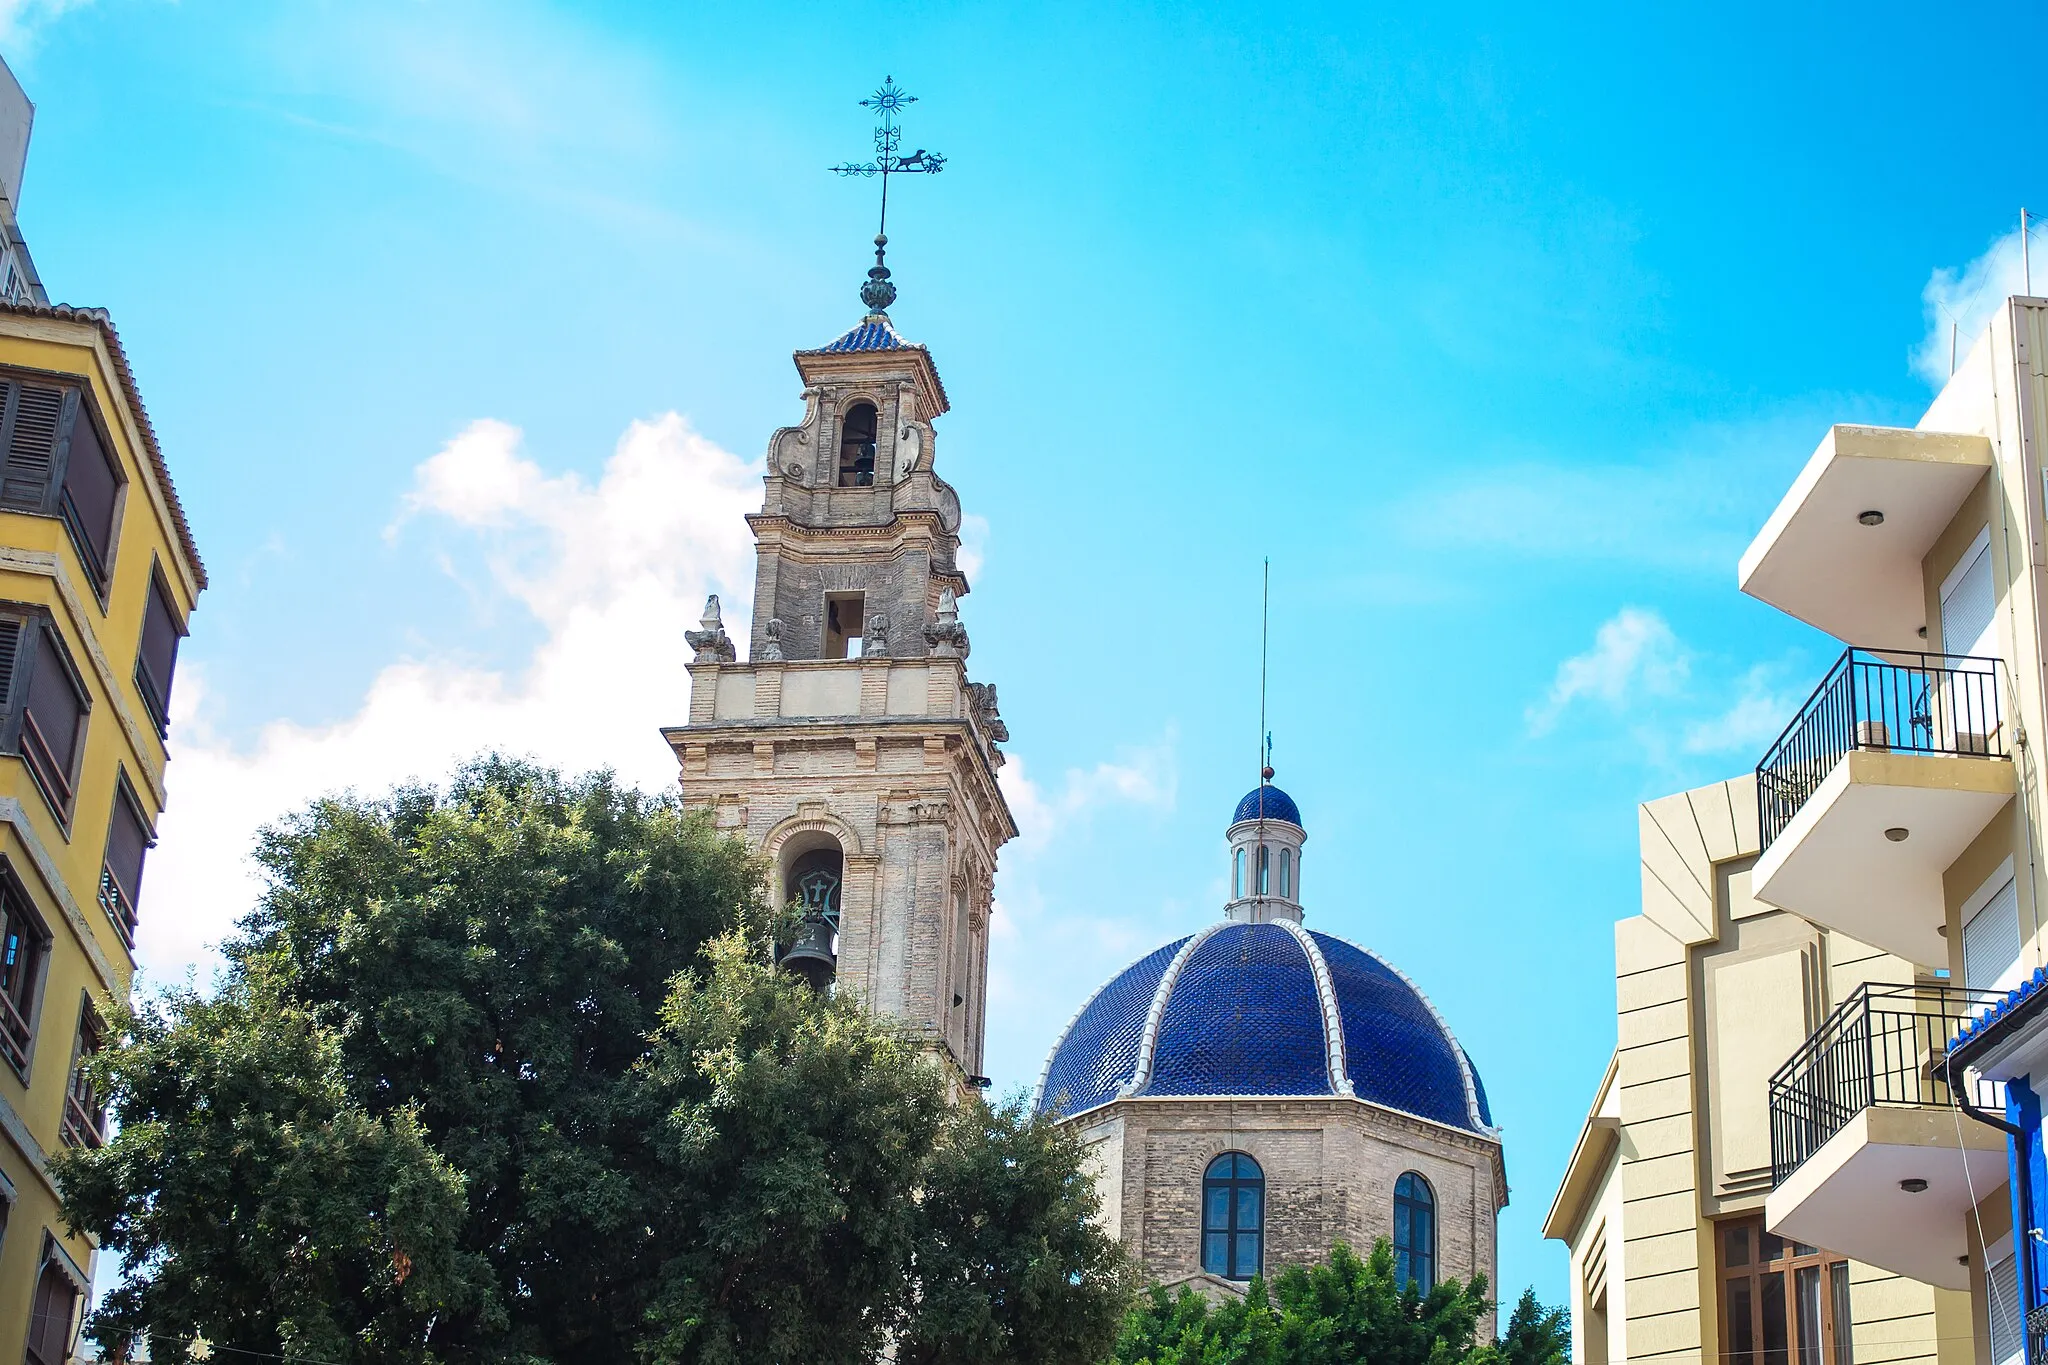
<point x="811" y="956"/>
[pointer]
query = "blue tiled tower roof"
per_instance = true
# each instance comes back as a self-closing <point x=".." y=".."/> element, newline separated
<point x="1264" y="1009"/>
<point x="1267" y="802"/>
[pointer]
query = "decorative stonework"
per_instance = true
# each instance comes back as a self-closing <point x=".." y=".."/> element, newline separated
<point x="946" y="636"/>
<point x="710" y="641"/>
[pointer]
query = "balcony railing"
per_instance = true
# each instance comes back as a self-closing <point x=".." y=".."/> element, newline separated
<point x="1883" y="1045"/>
<point x="1882" y="700"/>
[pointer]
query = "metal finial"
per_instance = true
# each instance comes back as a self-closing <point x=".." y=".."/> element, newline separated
<point x="889" y="101"/>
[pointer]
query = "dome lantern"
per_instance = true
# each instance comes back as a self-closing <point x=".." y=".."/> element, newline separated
<point x="1265" y="838"/>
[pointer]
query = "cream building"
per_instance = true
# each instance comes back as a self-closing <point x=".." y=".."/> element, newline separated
<point x="1663" y="1204"/>
<point x="1897" y="810"/>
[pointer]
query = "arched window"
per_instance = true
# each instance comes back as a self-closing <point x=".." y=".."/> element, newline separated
<point x="1237" y="876"/>
<point x="1414" y="1232"/>
<point x="1265" y="870"/>
<point x="1287" y="872"/>
<point x="1233" y="1217"/>
<point x="857" y="447"/>
<point x="813" y="882"/>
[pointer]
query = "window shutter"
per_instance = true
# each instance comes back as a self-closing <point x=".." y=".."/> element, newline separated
<point x="50" y="1314"/>
<point x="158" y="657"/>
<point x="1991" y="939"/>
<point x="1969" y="606"/>
<point x="90" y="485"/>
<point x="127" y="842"/>
<point x="56" y="708"/>
<point x="2006" y="1311"/>
<point x="10" y="649"/>
<point x="35" y="411"/>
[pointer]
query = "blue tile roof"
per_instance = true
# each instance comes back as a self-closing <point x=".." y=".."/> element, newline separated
<point x="873" y="333"/>
<point x="1241" y="1015"/>
<point x="1244" y="1019"/>
<point x="1268" y="802"/>
<point x="1978" y="1034"/>
<point x="1101" y="1047"/>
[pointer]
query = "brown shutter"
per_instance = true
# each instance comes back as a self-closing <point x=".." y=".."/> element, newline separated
<point x="56" y="710"/>
<point x="35" y="411"/>
<point x="127" y="842"/>
<point x="10" y="649"/>
<point x="50" y="1314"/>
<point x="158" y="657"/>
<point x="90" y="483"/>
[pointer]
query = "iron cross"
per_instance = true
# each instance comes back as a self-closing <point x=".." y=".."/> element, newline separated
<point x="889" y="101"/>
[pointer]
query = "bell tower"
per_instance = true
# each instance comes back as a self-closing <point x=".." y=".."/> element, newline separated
<point x="850" y="747"/>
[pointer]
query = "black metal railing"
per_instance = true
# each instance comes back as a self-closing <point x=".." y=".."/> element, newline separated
<point x="1883" y="1045"/>
<point x="1885" y="700"/>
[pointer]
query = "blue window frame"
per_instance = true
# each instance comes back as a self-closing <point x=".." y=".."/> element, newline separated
<point x="1233" y="1217"/>
<point x="1414" y="1232"/>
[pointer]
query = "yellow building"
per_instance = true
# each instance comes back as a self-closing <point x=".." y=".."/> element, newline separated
<point x="98" y="575"/>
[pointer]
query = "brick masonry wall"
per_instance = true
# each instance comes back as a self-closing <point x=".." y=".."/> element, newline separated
<point x="1330" y="1170"/>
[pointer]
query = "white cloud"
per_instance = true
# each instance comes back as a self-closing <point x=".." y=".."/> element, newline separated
<point x="1959" y="304"/>
<point x="613" y="571"/>
<point x="21" y="20"/>
<point x="1634" y="654"/>
<point x="1142" y="777"/>
<point x="1757" y="716"/>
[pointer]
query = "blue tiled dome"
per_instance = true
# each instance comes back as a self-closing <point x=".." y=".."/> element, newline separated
<point x="1267" y="801"/>
<point x="1264" y="1009"/>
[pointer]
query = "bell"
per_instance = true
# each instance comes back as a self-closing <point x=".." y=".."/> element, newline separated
<point x="811" y="956"/>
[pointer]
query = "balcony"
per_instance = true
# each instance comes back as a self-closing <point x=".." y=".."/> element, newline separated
<point x="1843" y="550"/>
<point x="1896" y="762"/>
<point x="1870" y="1156"/>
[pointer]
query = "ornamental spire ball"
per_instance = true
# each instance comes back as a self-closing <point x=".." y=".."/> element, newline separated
<point x="879" y="292"/>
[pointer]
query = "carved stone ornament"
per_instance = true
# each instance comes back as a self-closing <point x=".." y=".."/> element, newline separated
<point x="981" y="698"/>
<point x="771" y="652"/>
<point x="795" y="470"/>
<point x="946" y="636"/>
<point x="712" y="644"/>
<point x="874" y="641"/>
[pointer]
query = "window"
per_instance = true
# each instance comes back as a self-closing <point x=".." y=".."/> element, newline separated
<point x="53" y="1313"/>
<point x="23" y="944"/>
<point x="1286" y="872"/>
<point x="1778" y="1296"/>
<point x="1414" y="1232"/>
<point x="1991" y="930"/>
<point x="85" y="1118"/>
<point x="1233" y="1217"/>
<point x="92" y="486"/>
<point x="128" y="841"/>
<point x="1237" y="875"/>
<point x="845" y="620"/>
<point x="2007" y="1322"/>
<point x="53" y="720"/>
<point x="157" y="657"/>
<point x="57" y="462"/>
<point x="1265" y="869"/>
<point x="857" y="447"/>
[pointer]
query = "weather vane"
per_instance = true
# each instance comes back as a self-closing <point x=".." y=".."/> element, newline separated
<point x="889" y="101"/>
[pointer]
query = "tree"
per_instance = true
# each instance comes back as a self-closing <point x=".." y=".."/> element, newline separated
<point x="1342" y="1311"/>
<point x="499" y="1073"/>
<point x="1536" y="1335"/>
<point x="1011" y="1266"/>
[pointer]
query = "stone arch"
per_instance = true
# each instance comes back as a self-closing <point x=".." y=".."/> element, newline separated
<point x="798" y="835"/>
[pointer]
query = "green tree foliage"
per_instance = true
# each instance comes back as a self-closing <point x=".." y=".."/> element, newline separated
<point x="1344" y="1311"/>
<point x="497" y="1074"/>
<point x="1011" y="1268"/>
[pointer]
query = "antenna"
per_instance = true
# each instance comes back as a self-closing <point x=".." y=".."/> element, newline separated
<point x="1265" y="629"/>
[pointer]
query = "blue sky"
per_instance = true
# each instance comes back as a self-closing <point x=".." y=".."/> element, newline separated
<point x="1500" y="329"/>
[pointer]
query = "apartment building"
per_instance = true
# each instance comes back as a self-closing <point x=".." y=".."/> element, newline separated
<point x="1664" y="1206"/>
<point x="1900" y="1128"/>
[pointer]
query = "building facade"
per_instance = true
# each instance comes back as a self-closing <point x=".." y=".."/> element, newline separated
<point x="98" y="576"/>
<point x="1664" y="1206"/>
<point x="850" y="747"/>
<point x="1256" y="1092"/>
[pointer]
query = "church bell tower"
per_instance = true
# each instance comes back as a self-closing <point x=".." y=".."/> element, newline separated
<point x="850" y="748"/>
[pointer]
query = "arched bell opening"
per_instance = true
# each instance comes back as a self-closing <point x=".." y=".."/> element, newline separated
<point x="813" y="882"/>
<point x="857" y="447"/>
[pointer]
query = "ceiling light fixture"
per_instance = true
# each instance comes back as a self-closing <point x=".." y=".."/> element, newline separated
<point x="1897" y="834"/>
<point x="1871" y="518"/>
<point x="1913" y="1184"/>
